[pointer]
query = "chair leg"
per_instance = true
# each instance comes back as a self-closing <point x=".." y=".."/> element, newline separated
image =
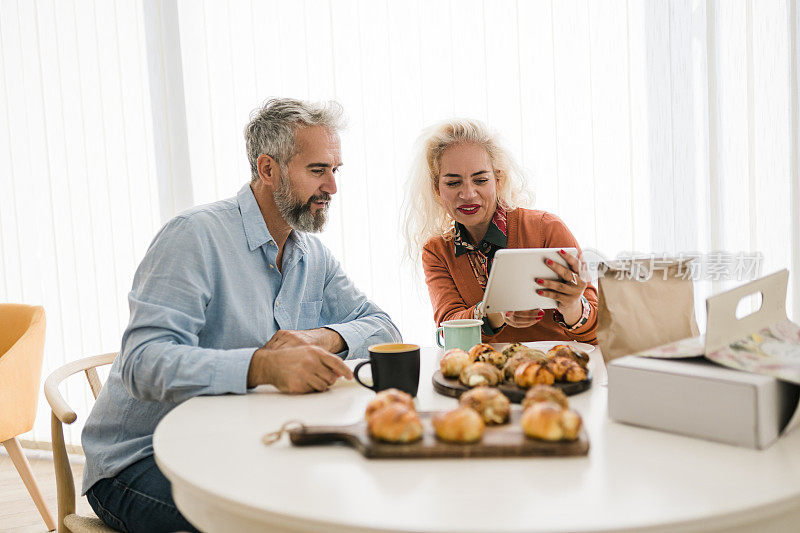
<point x="64" y="480"/>
<point x="24" y="469"/>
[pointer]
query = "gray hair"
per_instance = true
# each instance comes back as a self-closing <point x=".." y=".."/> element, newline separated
<point x="272" y="127"/>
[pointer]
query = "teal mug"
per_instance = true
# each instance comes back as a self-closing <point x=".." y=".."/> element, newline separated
<point x="463" y="333"/>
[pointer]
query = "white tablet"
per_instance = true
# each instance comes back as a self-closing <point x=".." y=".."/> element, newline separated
<point x="511" y="285"/>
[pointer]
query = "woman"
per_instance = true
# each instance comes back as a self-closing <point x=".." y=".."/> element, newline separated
<point x="464" y="203"/>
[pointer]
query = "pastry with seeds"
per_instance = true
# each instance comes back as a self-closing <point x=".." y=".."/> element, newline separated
<point x="493" y="357"/>
<point x="478" y="349"/>
<point x="513" y="349"/>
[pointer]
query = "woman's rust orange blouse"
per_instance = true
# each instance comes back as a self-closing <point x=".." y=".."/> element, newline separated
<point x="454" y="289"/>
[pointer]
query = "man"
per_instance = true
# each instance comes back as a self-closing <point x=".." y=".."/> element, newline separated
<point x="229" y="296"/>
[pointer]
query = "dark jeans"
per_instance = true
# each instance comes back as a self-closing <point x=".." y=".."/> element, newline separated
<point x="138" y="499"/>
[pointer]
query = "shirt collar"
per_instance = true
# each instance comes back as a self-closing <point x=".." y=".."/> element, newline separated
<point x="300" y="240"/>
<point x="496" y="234"/>
<point x="255" y="228"/>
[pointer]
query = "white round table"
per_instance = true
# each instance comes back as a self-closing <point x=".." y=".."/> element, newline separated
<point x="224" y="478"/>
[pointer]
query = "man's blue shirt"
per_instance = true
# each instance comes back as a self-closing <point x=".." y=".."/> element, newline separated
<point x="207" y="294"/>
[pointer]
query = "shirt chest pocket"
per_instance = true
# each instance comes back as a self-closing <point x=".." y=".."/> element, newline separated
<point x="308" y="317"/>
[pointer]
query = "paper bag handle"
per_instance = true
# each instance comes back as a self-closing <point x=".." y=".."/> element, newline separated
<point x="723" y="327"/>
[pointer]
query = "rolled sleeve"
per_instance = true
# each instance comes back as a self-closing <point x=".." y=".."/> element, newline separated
<point x="352" y="338"/>
<point x="355" y="340"/>
<point x="230" y="376"/>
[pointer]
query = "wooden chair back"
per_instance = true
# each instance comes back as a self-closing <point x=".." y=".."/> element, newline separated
<point x="63" y="414"/>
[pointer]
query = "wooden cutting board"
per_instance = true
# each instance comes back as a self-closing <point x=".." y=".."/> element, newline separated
<point x="507" y="440"/>
<point x="454" y="388"/>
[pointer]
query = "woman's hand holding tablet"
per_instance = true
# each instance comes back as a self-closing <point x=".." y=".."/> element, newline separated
<point x="523" y="319"/>
<point x="567" y="290"/>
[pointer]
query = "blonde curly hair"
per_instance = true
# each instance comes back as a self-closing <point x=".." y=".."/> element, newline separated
<point x="424" y="215"/>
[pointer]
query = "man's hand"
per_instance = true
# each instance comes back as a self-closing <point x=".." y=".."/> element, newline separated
<point x="296" y="370"/>
<point x="324" y="338"/>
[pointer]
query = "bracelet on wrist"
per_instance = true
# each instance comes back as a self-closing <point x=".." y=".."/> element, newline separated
<point x="586" y="309"/>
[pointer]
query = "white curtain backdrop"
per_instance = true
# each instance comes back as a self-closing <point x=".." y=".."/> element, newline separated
<point x="648" y="126"/>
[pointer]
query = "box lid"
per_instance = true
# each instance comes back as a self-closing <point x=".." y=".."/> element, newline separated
<point x="695" y="366"/>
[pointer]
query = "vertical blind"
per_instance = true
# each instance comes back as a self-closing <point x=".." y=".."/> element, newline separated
<point x="662" y="127"/>
<point x="77" y="187"/>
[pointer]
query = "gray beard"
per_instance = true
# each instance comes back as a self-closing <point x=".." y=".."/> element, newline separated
<point x="296" y="213"/>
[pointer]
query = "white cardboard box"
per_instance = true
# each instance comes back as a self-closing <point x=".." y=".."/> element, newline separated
<point x="699" y="398"/>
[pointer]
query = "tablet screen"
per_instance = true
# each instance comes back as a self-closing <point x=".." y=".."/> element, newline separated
<point x="511" y="285"/>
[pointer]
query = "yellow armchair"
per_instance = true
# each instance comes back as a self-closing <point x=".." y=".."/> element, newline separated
<point x="21" y="352"/>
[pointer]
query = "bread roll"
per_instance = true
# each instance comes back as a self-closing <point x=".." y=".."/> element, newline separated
<point x="512" y="364"/>
<point x="559" y="350"/>
<point x="529" y="374"/>
<point x="454" y="362"/>
<point x="513" y="349"/>
<point x="582" y="358"/>
<point x="463" y="425"/>
<point x="395" y="423"/>
<point x="545" y="393"/>
<point x="536" y="355"/>
<point x="563" y="350"/>
<point x="548" y="421"/>
<point x="542" y="421"/>
<point x="570" y="424"/>
<point x="559" y="365"/>
<point x="490" y="403"/>
<point x="575" y="373"/>
<point x="480" y="374"/>
<point x="478" y="349"/>
<point x="493" y="357"/>
<point x="386" y="397"/>
<point x="521" y="357"/>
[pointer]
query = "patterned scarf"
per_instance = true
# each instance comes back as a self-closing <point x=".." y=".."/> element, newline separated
<point x="481" y="256"/>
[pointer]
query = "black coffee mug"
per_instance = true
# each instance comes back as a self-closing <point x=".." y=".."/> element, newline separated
<point x="393" y="366"/>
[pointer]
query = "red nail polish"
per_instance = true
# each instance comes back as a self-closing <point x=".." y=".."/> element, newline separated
<point x="539" y="291"/>
<point x="549" y="261"/>
<point x="562" y="252"/>
<point x="538" y="280"/>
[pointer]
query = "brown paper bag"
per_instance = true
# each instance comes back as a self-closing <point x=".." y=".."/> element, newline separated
<point x="643" y="304"/>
